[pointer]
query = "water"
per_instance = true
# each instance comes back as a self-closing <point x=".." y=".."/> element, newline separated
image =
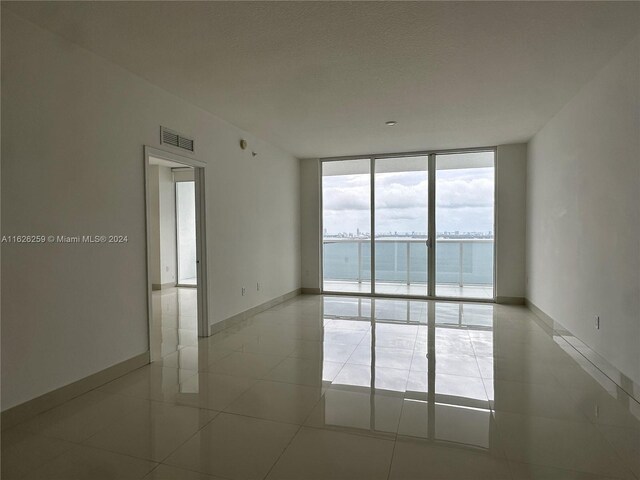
<point x="341" y="261"/>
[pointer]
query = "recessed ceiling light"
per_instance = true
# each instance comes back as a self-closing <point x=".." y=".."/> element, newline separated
<point x="390" y="123"/>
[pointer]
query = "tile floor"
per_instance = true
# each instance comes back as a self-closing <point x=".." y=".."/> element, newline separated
<point x="324" y="387"/>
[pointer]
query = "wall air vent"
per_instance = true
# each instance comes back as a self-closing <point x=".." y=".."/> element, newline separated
<point x="175" y="139"/>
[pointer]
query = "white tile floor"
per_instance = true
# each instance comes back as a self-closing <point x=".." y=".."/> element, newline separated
<point x="325" y="387"/>
<point x="414" y="289"/>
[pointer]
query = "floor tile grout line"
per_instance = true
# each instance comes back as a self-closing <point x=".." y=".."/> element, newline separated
<point x="83" y="443"/>
<point x="94" y="447"/>
<point x="565" y="469"/>
<point x="571" y="421"/>
<point x="351" y="431"/>
<point x="395" y="441"/>
<point x="55" y="457"/>
<point x="616" y="452"/>
<point x="94" y="389"/>
<point x="190" y="437"/>
<point x="571" y="470"/>
<point x="151" y="471"/>
<point x="284" y="450"/>
<point x="101" y="449"/>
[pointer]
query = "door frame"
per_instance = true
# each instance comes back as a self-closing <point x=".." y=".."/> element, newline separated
<point x="201" y="236"/>
<point x="431" y="220"/>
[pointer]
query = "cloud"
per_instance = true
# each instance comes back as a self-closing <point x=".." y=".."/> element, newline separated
<point x="464" y="201"/>
<point x="461" y="192"/>
<point x="346" y="193"/>
<point x="403" y="191"/>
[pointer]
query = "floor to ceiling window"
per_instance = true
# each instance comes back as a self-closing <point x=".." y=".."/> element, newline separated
<point x="432" y="221"/>
<point x="464" y="224"/>
<point x="401" y="224"/>
<point x="346" y="224"/>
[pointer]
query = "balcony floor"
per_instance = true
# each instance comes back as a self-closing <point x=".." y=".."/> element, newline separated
<point x="190" y="282"/>
<point x="417" y="289"/>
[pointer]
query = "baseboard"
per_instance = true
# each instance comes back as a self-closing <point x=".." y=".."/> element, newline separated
<point x="510" y="300"/>
<point x="548" y="321"/>
<point x="18" y="414"/>
<point x="162" y="286"/>
<point x="311" y="291"/>
<point x="582" y="352"/>
<point x="228" y="322"/>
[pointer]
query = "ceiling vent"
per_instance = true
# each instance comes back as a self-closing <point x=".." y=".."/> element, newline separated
<point x="175" y="139"/>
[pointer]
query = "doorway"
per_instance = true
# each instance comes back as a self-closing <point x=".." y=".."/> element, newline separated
<point x="185" y="215"/>
<point x="176" y="253"/>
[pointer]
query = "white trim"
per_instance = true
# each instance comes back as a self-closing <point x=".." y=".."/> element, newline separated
<point x="431" y="225"/>
<point x="421" y="153"/>
<point x="172" y="157"/>
<point x="372" y="218"/>
<point x="203" y="302"/>
<point x="495" y="223"/>
<point x="201" y="253"/>
<point x="321" y="230"/>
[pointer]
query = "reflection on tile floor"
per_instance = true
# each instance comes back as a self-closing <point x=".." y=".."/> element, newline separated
<point x="324" y="387"/>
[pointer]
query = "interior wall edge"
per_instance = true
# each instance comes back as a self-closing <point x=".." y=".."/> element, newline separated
<point x="233" y="320"/>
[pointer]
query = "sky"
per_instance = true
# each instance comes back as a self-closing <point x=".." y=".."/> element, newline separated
<point x="464" y="202"/>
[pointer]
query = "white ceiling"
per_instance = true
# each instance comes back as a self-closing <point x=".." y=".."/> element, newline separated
<point x="167" y="163"/>
<point x="321" y="78"/>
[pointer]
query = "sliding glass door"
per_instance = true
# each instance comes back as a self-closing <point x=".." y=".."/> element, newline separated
<point x="346" y="222"/>
<point x="464" y="225"/>
<point x="432" y="225"/>
<point x="401" y="225"/>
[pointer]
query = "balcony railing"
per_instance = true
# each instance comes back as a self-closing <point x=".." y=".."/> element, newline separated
<point x="459" y="262"/>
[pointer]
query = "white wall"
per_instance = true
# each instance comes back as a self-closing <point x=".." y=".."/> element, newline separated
<point x="510" y="222"/>
<point x="73" y="131"/>
<point x="583" y="221"/>
<point x="310" y="223"/>
<point x="167" y="201"/>
<point x="511" y="172"/>
<point x="162" y="226"/>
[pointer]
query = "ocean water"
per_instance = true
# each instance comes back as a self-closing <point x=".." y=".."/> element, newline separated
<point x="341" y="262"/>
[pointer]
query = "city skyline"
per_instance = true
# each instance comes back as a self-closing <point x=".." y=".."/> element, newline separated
<point x="415" y="234"/>
<point x="464" y="202"/>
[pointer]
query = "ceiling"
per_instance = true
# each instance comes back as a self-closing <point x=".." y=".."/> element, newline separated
<point x="320" y="78"/>
<point x="166" y="163"/>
